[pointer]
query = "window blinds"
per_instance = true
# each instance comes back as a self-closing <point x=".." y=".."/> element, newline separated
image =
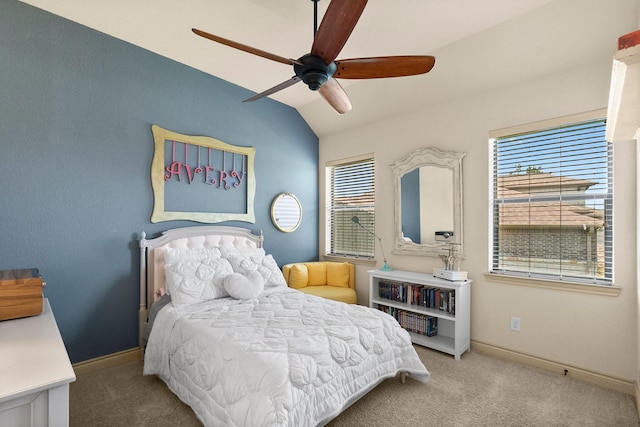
<point x="352" y="191"/>
<point x="552" y="204"/>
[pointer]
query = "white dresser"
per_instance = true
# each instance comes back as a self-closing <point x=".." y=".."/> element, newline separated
<point x="35" y="372"/>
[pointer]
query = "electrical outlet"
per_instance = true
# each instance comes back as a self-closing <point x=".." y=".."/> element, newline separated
<point x="515" y="324"/>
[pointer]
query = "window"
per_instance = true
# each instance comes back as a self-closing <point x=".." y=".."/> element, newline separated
<point x="351" y="190"/>
<point x="552" y="203"/>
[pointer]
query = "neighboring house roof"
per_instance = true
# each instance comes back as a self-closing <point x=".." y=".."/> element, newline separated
<point x="542" y="182"/>
<point x="363" y="201"/>
<point x="545" y="214"/>
<point x="550" y="215"/>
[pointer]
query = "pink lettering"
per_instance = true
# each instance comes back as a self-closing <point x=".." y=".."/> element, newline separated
<point x="173" y="169"/>
<point x="208" y="169"/>
<point x="223" y="180"/>
<point x="187" y="167"/>
<point x="238" y="177"/>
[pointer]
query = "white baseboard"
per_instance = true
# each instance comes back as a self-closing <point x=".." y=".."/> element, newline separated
<point x="602" y="380"/>
<point x="107" y="361"/>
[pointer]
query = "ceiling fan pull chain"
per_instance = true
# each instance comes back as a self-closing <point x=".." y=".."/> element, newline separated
<point x="315" y="18"/>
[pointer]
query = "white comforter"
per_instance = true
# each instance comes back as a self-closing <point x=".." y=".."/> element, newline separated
<point x="283" y="359"/>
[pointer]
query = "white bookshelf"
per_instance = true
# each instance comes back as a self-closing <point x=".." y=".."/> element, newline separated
<point x="453" y="334"/>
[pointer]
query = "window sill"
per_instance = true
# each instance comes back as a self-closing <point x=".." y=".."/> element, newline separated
<point x="612" y="291"/>
<point x="360" y="261"/>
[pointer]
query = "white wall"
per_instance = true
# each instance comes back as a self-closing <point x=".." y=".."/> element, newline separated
<point x="592" y="332"/>
<point x="638" y="261"/>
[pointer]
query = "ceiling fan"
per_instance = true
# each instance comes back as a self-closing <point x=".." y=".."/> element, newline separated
<point x="320" y="68"/>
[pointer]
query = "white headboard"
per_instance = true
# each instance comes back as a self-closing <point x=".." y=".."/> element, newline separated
<point x="152" y="252"/>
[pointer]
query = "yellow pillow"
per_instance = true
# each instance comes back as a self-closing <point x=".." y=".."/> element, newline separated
<point x="298" y="276"/>
<point x="317" y="273"/>
<point x="338" y="274"/>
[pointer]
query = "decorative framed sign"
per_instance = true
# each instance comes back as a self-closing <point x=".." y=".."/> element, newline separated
<point x="199" y="178"/>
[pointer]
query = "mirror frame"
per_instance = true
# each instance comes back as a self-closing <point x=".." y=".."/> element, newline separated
<point x="160" y="137"/>
<point x="274" y="217"/>
<point x="429" y="156"/>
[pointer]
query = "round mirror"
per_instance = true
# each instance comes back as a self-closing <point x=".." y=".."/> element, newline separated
<point x="286" y="212"/>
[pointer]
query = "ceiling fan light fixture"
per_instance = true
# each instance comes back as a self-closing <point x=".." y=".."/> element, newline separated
<point x="314" y="79"/>
<point x="313" y="71"/>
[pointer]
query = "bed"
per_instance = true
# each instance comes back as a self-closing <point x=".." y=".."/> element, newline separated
<point x="238" y="346"/>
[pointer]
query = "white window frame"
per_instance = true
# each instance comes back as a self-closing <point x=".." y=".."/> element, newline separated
<point x="542" y="280"/>
<point x="357" y="243"/>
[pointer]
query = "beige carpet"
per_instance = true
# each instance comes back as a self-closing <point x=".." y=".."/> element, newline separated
<point x="478" y="390"/>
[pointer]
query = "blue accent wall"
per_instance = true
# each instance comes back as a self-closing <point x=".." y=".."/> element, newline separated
<point x="75" y="149"/>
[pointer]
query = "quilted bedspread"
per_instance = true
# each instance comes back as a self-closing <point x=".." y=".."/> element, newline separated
<point x="283" y="359"/>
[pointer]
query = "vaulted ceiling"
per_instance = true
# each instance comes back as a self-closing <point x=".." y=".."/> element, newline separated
<point x="477" y="43"/>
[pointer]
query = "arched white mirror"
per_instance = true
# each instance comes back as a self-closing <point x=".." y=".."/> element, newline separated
<point x="428" y="202"/>
<point x="286" y="212"/>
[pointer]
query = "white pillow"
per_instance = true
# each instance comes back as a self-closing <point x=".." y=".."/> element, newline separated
<point x="228" y="251"/>
<point x="174" y="255"/>
<point x="265" y="265"/>
<point x="240" y="286"/>
<point x="193" y="280"/>
<point x="179" y="255"/>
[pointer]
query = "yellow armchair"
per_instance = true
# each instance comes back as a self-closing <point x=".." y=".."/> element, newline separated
<point x="332" y="280"/>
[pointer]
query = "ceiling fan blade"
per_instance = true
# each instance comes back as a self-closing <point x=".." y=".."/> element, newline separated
<point x="383" y="66"/>
<point x="246" y="48"/>
<point x="333" y="93"/>
<point x="336" y="27"/>
<point x="293" y="80"/>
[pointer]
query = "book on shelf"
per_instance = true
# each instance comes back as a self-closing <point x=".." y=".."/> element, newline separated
<point x="426" y="296"/>
<point x="413" y="322"/>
